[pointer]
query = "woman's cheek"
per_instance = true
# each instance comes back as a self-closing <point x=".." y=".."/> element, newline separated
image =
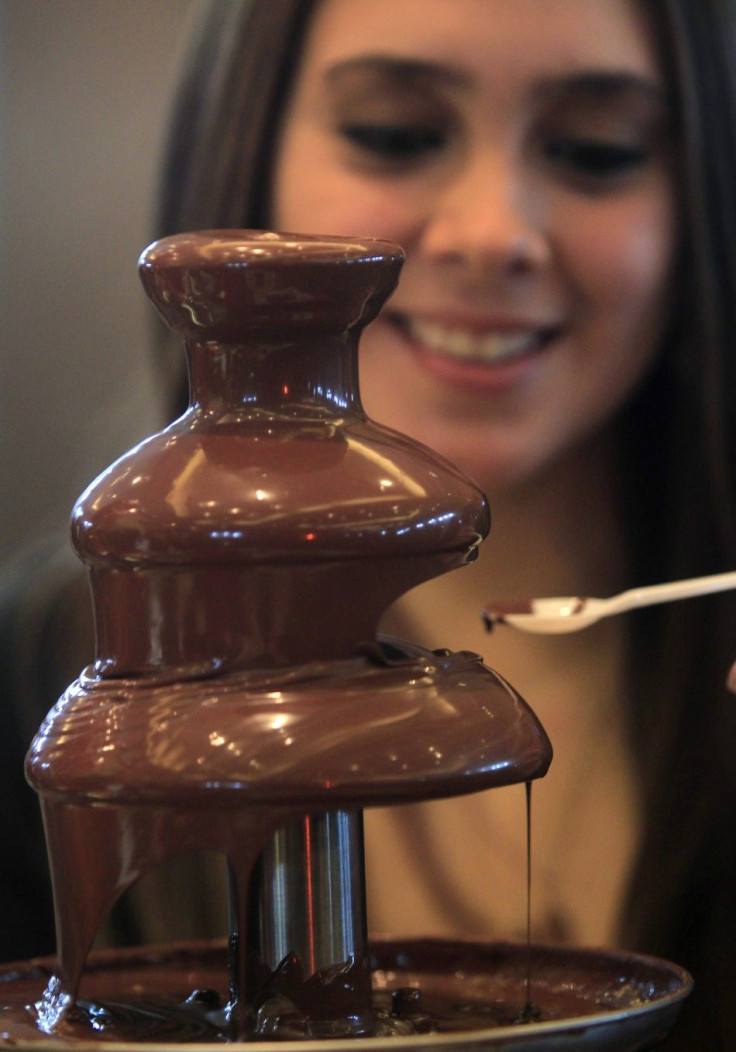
<point x="357" y="209"/>
<point x="328" y="198"/>
<point x="627" y="261"/>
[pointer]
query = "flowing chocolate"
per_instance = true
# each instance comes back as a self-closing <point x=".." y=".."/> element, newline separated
<point x="239" y="562"/>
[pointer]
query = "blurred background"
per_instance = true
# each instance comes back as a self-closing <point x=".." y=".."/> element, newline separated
<point x="85" y="88"/>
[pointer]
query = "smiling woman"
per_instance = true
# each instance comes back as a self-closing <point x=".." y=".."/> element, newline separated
<point x="521" y="156"/>
<point x="560" y="174"/>
<point x="561" y="333"/>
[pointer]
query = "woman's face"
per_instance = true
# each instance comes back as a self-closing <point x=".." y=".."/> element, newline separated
<point x="518" y="151"/>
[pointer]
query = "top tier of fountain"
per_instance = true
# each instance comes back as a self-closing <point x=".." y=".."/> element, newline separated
<point x="273" y="522"/>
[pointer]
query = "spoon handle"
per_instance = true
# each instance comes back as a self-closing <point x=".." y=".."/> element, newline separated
<point x="665" y="593"/>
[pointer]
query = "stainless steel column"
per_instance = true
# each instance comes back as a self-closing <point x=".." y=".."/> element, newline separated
<point x="312" y="893"/>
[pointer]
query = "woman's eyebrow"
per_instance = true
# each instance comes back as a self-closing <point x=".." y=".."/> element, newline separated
<point x="589" y="85"/>
<point x="399" y="69"/>
<point x="604" y="86"/>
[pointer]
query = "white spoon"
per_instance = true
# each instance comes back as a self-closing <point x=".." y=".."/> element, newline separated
<point x="571" y="613"/>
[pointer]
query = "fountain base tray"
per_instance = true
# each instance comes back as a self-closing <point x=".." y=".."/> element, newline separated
<point x="474" y="993"/>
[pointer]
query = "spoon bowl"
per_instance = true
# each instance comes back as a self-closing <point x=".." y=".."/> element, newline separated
<point x="562" y="614"/>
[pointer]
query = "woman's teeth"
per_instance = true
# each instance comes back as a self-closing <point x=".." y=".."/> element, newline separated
<point x="459" y="343"/>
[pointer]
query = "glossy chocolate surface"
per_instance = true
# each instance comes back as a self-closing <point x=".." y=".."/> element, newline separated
<point x="239" y="562"/>
<point x="273" y="523"/>
<point x="583" y="999"/>
<point x="325" y="734"/>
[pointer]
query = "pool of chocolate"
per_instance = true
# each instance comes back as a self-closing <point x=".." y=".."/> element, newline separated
<point x="427" y="993"/>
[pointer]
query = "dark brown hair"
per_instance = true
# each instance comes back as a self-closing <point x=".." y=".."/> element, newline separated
<point x="237" y="76"/>
<point x="677" y="441"/>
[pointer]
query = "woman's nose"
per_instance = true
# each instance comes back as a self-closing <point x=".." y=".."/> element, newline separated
<point x="488" y="217"/>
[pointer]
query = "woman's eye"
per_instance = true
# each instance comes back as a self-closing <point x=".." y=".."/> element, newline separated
<point x="596" y="158"/>
<point x="393" y="142"/>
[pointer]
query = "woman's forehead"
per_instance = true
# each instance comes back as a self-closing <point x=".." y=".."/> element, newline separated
<point x="470" y="34"/>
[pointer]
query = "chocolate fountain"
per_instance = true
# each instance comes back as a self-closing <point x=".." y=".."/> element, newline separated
<point x="242" y="701"/>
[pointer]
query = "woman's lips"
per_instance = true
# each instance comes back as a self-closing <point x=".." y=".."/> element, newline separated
<point x="493" y="356"/>
<point x="488" y="347"/>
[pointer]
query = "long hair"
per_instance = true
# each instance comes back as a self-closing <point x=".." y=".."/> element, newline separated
<point x="677" y="443"/>
<point x="679" y="480"/>
<point x="225" y="121"/>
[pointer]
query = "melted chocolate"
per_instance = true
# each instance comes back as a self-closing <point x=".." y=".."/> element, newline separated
<point x="239" y="562"/>
<point x="138" y="770"/>
<point x="420" y="986"/>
